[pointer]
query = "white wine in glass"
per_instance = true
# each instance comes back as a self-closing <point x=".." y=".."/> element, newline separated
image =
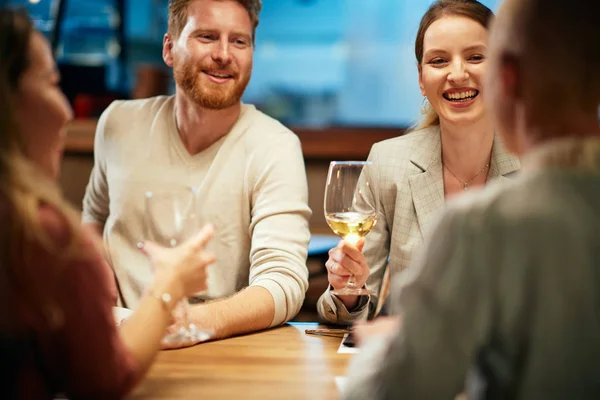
<point x="350" y="209"/>
<point x="172" y="217"/>
<point x="351" y="225"/>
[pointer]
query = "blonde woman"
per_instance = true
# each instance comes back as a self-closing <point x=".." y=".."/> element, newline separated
<point x="57" y="332"/>
<point x="452" y="150"/>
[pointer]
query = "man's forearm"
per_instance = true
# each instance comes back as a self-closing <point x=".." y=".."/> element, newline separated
<point x="249" y="310"/>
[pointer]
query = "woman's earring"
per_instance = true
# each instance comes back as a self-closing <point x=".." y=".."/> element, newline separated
<point x="425" y="106"/>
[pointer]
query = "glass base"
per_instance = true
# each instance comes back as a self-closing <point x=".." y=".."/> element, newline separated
<point x="353" y="292"/>
<point x="183" y="337"/>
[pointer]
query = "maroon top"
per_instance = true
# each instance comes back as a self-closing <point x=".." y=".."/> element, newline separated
<point x="84" y="357"/>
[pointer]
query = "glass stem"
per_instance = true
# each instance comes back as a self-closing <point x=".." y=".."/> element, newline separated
<point x="352" y="283"/>
<point x="185" y="306"/>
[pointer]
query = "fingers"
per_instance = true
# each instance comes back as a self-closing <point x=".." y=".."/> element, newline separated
<point x="361" y="330"/>
<point x="201" y="239"/>
<point x="195" y="272"/>
<point x="199" y="261"/>
<point x="336" y="268"/>
<point x="153" y="251"/>
<point x="208" y="258"/>
<point x="336" y="281"/>
<point x="360" y="244"/>
<point x="382" y="326"/>
<point x="360" y="333"/>
<point x="337" y="275"/>
<point x="354" y="252"/>
<point x="345" y="260"/>
<point x="193" y="245"/>
<point x="355" y="267"/>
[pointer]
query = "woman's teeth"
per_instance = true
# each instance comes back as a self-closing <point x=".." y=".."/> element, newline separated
<point x="467" y="95"/>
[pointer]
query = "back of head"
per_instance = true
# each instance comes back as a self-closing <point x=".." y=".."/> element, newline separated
<point x="557" y="47"/>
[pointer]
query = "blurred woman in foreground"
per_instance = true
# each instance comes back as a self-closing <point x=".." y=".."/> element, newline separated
<point x="57" y="332"/>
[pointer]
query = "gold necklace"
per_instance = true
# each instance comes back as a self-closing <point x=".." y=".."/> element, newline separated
<point x="467" y="183"/>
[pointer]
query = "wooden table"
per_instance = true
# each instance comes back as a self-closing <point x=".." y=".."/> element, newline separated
<point x="281" y="363"/>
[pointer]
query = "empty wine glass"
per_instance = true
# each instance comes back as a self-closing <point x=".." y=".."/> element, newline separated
<point x="350" y="208"/>
<point x="171" y="218"/>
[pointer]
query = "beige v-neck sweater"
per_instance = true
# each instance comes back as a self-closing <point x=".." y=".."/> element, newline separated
<point x="252" y="185"/>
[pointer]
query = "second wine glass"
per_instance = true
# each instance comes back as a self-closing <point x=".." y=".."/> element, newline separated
<point x="172" y="217"/>
<point x="350" y="208"/>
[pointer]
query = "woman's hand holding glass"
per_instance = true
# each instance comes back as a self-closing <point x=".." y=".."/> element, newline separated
<point x="346" y="260"/>
<point x="181" y="270"/>
<point x="172" y="219"/>
<point x="350" y="206"/>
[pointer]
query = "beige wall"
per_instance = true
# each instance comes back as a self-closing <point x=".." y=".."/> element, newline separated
<point x="76" y="171"/>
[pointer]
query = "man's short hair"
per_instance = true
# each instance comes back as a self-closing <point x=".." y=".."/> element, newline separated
<point x="558" y="45"/>
<point x="178" y="13"/>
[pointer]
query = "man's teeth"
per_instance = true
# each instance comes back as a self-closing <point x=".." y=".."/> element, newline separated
<point x="461" y="95"/>
<point x="219" y="75"/>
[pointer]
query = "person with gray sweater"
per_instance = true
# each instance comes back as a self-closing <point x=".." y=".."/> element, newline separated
<point x="505" y="294"/>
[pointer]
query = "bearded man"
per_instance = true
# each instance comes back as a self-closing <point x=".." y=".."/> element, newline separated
<point x="246" y="170"/>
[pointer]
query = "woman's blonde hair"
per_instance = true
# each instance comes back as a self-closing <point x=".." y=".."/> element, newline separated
<point x="465" y="8"/>
<point x="23" y="187"/>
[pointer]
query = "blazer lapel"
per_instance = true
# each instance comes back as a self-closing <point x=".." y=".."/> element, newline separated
<point x="426" y="181"/>
<point x="503" y="164"/>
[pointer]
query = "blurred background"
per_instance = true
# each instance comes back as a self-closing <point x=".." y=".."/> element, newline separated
<point x="340" y="73"/>
<point x="318" y="63"/>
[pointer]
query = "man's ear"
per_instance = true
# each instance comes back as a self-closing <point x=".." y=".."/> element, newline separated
<point x="168" y="49"/>
<point x="420" y="69"/>
<point x="510" y="76"/>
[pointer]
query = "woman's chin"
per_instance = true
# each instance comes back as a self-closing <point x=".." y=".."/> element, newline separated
<point x="466" y="118"/>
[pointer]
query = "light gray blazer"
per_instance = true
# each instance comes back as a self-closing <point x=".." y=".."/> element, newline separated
<point x="407" y="175"/>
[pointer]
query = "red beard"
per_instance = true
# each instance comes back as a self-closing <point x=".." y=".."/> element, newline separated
<point x="188" y="77"/>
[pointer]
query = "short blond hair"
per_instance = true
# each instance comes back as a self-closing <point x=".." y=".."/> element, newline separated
<point x="557" y="45"/>
<point x="178" y="13"/>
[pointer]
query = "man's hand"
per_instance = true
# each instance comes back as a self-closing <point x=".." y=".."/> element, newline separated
<point x="382" y="326"/>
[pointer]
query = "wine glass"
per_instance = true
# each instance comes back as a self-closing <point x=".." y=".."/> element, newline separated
<point x="172" y="217"/>
<point x="350" y="209"/>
